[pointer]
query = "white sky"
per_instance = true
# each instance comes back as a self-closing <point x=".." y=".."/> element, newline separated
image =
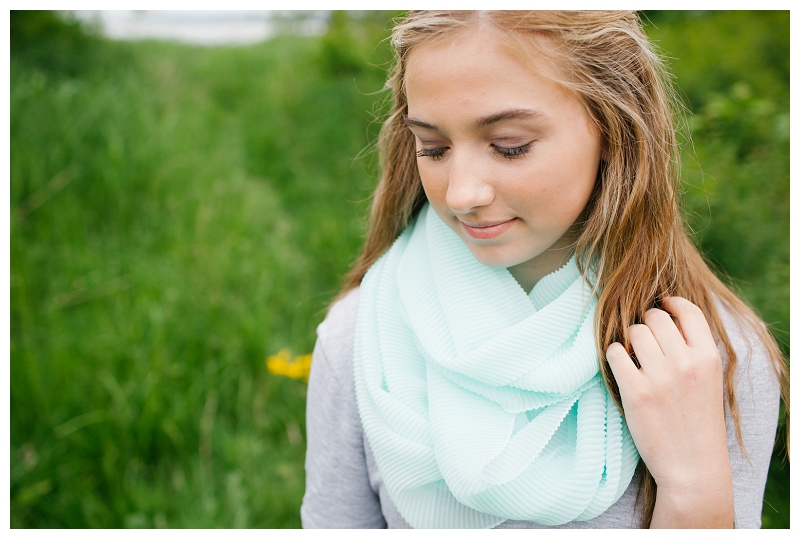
<point x="219" y="27"/>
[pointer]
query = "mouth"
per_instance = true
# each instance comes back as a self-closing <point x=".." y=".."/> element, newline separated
<point x="488" y="229"/>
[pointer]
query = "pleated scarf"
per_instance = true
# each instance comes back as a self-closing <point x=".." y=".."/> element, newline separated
<point x="482" y="403"/>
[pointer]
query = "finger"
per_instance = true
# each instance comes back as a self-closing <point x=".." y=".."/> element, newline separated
<point x="666" y="333"/>
<point x="622" y="365"/>
<point x="644" y="344"/>
<point x="694" y="325"/>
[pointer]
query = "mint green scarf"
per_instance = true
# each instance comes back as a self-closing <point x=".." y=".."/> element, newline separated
<point x="482" y="403"/>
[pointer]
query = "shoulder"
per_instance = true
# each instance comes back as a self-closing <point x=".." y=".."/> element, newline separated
<point x="753" y="362"/>
<point x="336" y="333"/>
<point x="338" y="489"/>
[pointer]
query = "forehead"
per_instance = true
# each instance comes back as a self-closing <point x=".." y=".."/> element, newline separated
<point x="481" y="64"/>
<point x="535" y="52"/>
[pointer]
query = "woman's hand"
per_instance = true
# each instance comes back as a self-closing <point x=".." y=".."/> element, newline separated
<point x="675" y="412"/>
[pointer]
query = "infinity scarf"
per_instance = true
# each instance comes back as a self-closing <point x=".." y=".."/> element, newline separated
<point x="482" y="403"/>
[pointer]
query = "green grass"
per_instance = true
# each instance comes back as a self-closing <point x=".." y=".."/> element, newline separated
<point x="179" y="213"/>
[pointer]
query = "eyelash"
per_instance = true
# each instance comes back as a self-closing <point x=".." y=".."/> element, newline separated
<point x="512" y="153"/>
<point x="434" y="153"/>
<point x="507" y="153"/>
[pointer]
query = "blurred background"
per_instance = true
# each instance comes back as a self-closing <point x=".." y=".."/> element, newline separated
<point x="180" y="212"/>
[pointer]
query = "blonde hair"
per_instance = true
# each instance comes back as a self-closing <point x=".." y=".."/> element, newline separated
<point x="611" y="66"/>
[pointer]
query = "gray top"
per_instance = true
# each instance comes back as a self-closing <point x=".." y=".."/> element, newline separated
<point x="344" y="487"/>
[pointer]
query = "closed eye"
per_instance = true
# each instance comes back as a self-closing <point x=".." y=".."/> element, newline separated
<point x="433" y="153"/>
<point x="512" y="153"/>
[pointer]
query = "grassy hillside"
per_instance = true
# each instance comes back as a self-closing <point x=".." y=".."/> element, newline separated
<point x="179" y="213"/>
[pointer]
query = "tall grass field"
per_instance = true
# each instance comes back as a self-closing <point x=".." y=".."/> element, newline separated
<point x="180" y="213"/>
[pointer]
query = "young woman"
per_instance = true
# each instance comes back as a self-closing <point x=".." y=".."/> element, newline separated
<point x="529" y="339"/>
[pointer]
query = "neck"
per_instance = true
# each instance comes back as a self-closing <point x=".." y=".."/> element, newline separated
<point x="531" y="271"/>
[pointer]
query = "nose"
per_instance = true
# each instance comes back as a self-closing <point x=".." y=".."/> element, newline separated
<point x="467" y="187"/>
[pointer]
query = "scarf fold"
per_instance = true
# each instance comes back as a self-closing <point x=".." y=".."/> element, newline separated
<point x="482" y="403"/>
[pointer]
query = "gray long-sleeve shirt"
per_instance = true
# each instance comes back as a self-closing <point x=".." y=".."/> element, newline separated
<point x="344" y="488"/>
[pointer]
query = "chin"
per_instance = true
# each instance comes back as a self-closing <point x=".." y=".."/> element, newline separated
<point x="495" y="259"/>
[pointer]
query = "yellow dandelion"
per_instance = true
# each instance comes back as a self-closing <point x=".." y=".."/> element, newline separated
<point x="282" y="364"/>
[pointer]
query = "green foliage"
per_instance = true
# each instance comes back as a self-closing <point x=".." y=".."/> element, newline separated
<point x="337" y="54"/>
<point x="61" y="45"/>
<point x="355" y="42"/>
<point x="179" y="213"/>
<point x="173" y="223"/>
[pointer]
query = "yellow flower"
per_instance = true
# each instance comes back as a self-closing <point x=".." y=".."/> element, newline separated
<point x="282" y="364"/>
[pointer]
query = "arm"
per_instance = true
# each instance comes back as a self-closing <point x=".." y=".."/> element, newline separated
<point x="338" y="493"/>
<point x="674" y="408"/>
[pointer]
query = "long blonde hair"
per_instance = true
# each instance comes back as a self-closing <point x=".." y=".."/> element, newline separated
<point x="633" y="234"/>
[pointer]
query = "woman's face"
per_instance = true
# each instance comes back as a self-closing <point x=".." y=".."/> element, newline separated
<point x="508" y="158"/>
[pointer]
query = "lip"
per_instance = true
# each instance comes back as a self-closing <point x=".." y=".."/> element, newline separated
<point x="487" y="230"/>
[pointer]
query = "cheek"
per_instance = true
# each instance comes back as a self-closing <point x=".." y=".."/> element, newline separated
<point x="434" y="183"/>
<point x="568" y="179"/>
<point x="551" y="196"/>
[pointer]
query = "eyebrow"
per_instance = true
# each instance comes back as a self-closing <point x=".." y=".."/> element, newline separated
<point x="512" y="114"/>
<point x="409" y="121"/>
